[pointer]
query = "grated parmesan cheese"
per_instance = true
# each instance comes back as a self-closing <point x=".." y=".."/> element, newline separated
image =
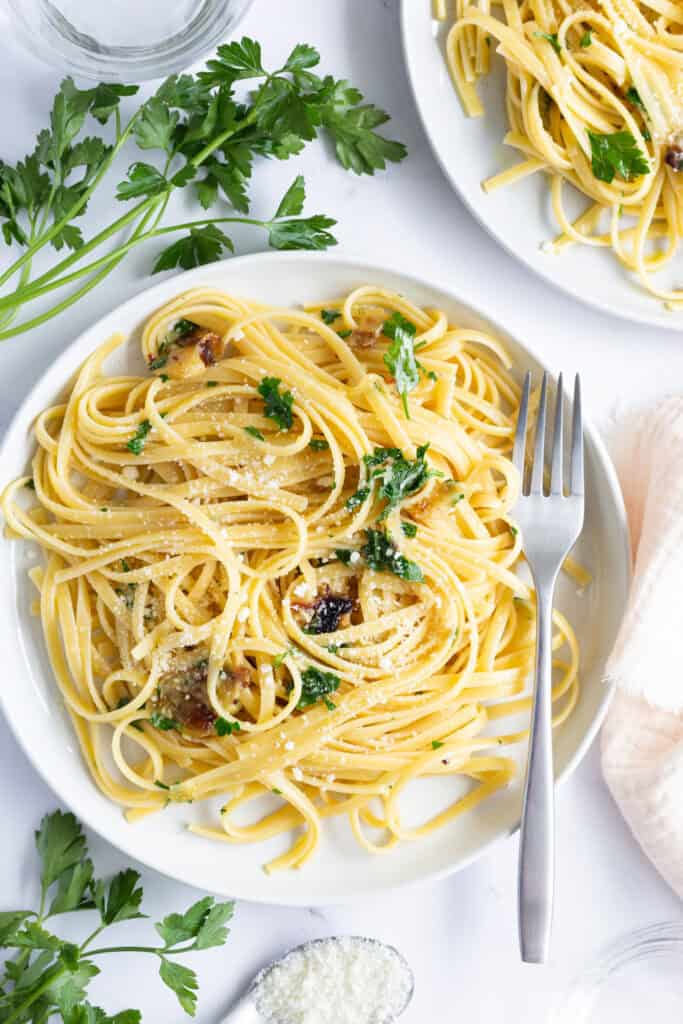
<point x="346" y="980"/>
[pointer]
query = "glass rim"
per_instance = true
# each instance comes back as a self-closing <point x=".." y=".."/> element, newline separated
<point x="127" y="64"/>
<point x="642" y="944"/>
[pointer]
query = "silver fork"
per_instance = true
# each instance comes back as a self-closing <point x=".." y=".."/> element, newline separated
<point x="550" y="526"/>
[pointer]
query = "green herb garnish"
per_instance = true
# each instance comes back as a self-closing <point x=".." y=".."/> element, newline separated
<point x="225" y="728"/>
<point x="396" y="477"/>
<point x="436" y="744"/>
<point x="46" y="977"/>
<point x="408" y="529"/>
<point x="357" y="498"/>
<point x="400" y="356"/>
<point x="276" y="406"/>
<point x="137" y="441"/>
<point x="279" y="658"/>
<point x="160" y="721"/>
<point x="316" y="685"/>
<point x="550" y="38"/>
<point x="586" y="39"/>
<point x="254" y="432"/>
<point x="633" y="97"/>
<point x="212" y="383"/>
<point x="197" y="135"/>
<point x="616" y="153"/>
<point x="329" y="315"/>
<point x="346" y="333"/>
<point x="318" y="444"/>
<point x="381" y="554"/>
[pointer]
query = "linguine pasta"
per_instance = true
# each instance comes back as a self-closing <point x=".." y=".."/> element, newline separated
<point x="594" y="98"/>
<point x="262" y="577"/>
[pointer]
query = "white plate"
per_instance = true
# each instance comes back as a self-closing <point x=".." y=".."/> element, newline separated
<point x="470" y="149"/>
<point x="341" y="871"/>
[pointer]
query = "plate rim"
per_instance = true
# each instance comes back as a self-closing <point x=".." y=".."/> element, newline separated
<point x="152" y="296"/>
<point x="645" y="319"/>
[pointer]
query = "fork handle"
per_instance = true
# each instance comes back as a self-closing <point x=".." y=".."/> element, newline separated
<point x="537" y="839"/>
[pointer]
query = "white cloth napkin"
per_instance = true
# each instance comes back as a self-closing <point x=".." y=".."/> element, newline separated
<point x="642" y="739"/>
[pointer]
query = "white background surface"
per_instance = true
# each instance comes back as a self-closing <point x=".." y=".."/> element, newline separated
<point x="459" y="935"/>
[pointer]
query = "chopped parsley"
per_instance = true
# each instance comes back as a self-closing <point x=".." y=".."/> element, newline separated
<point x="161" y="785"/>
<point x="329" y="315"/>
<point x="550" y="38"/>
<point x="212" y="383"/>
<point x="381" y="554"/>
<point x="254" y="432"/>
<point x="318" y="444"/>
<point x="160" y="721"/>
<point x="345" y="333"/>
<point x="31" y="484"/>
<point x="514" y="531"/>
<point x="458" y="498"/>
<point x="125" y="566"/>
<point x="179" y="330"/>
<point x="633" y="97"/>
<point x="357" y="498"/>
<point x="316" y="685"/>
<point x="278" y="792"/>
<point x="127" y="594"/>
<point x="277" y="407"/>
<point x="164" y="377"/>
<point x="616" y="153"/>
<point x="225" y="728"/>
<point x="586" y="39"/>
<point x="278" y="659"/>
<point x="344" y="555"/>
<point x="137" y="441"/>
<point x="395" y="476"/>
<point x="400" y="356"/>
<point x="436" y="744"/>
<point x="408" y="529"/>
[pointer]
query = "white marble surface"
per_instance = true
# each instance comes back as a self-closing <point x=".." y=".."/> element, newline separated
<point x="459" y="935"/>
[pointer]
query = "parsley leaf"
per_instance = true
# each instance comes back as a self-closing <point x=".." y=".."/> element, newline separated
<point x="550" y="38"/>
<point x="302" y="56"/>
<point x="380" y="553"/>
<point x="436" y="744"/>
<point x="408" y="529"/>
<point x="254" y="432"/>
<point x="120" y="900"/>
<point x="292" y="202"/>
<point x="302" y="233"/>
<point x="225" y="728"/>
<point x="155" y="128"/>
<point x="160" y="721"/>
<point x="137" y="441"/>
<point x="72" y="887"/>
<point x="616" y="153"/>
<point x="400" y="356"/>
<point x="204" y="922"/>
<point x="351" y="124"/>
<point x="142" y="180"/>
<point x="234" y="61"/>
<point x="633" y="97"/>
<point x="319" y="444"/>
<point x="316" y="685"/>
<point x="182" y="981"/>
<point x="398" y="477"/>
<point x="201" y="246"/>
<point x="586" y="39"/>
<point x="61" y="845"/>
<point x="276" y="406"/>
<point x="328" y="316"/>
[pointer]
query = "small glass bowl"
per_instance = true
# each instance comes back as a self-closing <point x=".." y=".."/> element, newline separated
<point x="638" y="979"/>
<point x="123" y="40"/>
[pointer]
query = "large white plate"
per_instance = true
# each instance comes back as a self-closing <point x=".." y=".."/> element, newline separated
<point x="470" y="149"/>
<point x="341" y="872"/>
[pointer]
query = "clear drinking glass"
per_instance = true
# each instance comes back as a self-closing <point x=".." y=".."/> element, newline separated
<point x="123" y="40"/>
<point x="639" y="979"/>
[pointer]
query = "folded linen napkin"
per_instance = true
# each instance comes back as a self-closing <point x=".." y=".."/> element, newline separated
<point x="642" y="739"/>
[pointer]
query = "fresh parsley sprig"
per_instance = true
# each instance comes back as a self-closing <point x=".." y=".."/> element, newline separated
<point x="206" y="138"/>
<point x="616" y="153"/>
<point x="46" y="977"/>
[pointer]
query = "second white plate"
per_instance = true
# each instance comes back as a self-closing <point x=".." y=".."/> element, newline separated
<point x="519" y="216"/>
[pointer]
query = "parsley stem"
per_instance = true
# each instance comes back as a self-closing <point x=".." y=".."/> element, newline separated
<point x="47" y="237"/>
<point x="40" y="286"/>
<point x="114" y="260"/>
<point x="156" y="950"/>
<point x="48" y="978"/>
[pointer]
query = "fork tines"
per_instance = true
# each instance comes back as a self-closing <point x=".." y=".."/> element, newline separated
<point x="533" y="481"/>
